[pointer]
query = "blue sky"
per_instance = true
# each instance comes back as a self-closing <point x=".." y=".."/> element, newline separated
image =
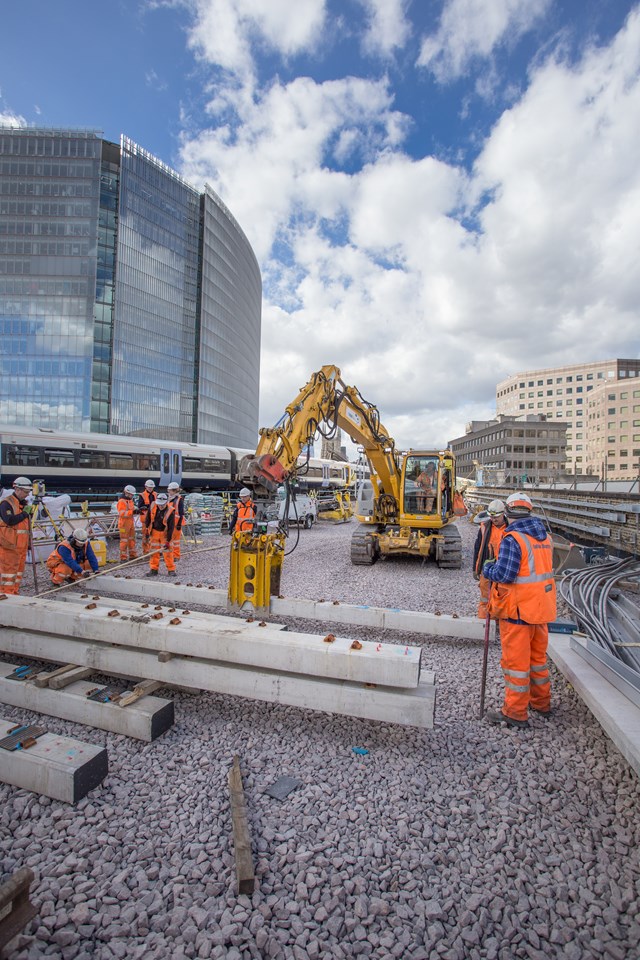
<point x="440" y="193"/>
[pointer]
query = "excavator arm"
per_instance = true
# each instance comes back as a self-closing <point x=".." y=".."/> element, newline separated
<point x="325" y="403"/>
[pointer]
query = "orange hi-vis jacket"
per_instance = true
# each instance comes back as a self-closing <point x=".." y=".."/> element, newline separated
<point x="491" y="540"/>
<point x="16" y="535"/>
<point x="145" y="499"/>
<point x="126" y="508"/>
<point x="246" y="515"/>
<point x="532" y="596"/>
<point x="161" y="520"/>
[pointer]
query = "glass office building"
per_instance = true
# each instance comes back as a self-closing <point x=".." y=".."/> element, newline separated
<point x="130" y="303"/>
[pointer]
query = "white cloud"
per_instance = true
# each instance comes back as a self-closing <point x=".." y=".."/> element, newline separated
<point x="471" y="29"/>
<point x="387" y="26"/>
<point x="425" y="284"/>
<point x="225" y="30"/>
<point x="10" y="119"/>
<point x="274" y="163"/>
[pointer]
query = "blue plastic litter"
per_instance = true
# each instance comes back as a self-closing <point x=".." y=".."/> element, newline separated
<point x="361" y="751"/>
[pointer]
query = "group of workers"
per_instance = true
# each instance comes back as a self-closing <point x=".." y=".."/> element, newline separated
<point x="513" y="562"/>
<point x="162" y="516"/>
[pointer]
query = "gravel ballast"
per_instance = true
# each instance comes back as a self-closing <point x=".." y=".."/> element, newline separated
<point x="465" y="841"/>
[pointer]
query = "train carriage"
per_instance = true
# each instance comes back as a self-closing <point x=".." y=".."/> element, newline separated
<point x="103" y="463"/>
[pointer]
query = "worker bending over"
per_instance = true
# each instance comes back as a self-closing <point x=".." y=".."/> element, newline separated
<point x="146" y="498"/>
<point x="523" y="597"/>
<point x="126" y="507"/>
<point x="486" y="548"/>
<point x="72" y="559"/>
<point x="244" y="513"/>
<point x="177" y="502"/>
<point x="161" y="523"/>
<point x="15" y="518"/>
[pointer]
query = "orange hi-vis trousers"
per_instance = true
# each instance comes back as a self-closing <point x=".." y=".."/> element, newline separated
<point x="127" y="531"/>
<point x="525" y="668"/>
<point x="158" y="541"/>
<point x="175" y="544"/>
<point x="12" y="560"/>
<point x="146" y="540"/>
<point x="61" y="572"/>
<point x="484" y="585"/>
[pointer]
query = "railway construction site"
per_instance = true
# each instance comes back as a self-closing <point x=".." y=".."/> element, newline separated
<point x="371" y="812"/>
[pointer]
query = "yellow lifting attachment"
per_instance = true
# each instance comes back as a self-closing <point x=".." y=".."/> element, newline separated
<point x="255" y="569"/>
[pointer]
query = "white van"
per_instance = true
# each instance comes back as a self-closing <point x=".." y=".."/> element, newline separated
<point x="302" y="508"/>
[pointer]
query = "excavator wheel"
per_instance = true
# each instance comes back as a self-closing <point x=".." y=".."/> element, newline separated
<point x="450" y="556"/>
<point x="364" y="550"/>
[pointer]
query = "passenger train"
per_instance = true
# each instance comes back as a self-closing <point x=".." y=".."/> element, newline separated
<point x="104" y="463"/>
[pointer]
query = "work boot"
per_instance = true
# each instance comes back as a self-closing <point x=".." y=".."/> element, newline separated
<point x="497" y="716"/>
<point x="171" y="573"/>
<point x="152" y="573"/>
<point x="543" y="713"/>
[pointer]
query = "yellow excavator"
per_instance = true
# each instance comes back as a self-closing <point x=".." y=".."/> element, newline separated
<point x="405" y="508"/>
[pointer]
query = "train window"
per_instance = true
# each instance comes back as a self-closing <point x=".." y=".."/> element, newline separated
<point x="314" y="472"/>
<point x="204" y="465"/>
<point x="336" y="472"/>
<point x="58" y="458"/>
<point x="22" y="456"/>
<point x="165" y="463"/>
<point x="176" y="464"/>
<point x="92" y="460"/>
<point x="148" y="462"/>
<point x="121" y="461"/>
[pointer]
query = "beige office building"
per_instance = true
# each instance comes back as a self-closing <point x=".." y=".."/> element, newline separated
<point x="563" y="393"/>
<point x="613" y="418"/>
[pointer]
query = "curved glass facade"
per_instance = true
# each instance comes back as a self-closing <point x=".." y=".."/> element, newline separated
<point x="155" y="318"/>
<point x="229" y="377"/>
<point x="129" y="302"/>
<point x="49" y="197"/>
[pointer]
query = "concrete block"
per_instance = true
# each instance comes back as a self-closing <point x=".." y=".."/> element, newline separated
<point x="618" y="716"/>
<point x="145" y="720"/>
<point x="227" y="641"/>
<point x="326" y="611"/>
<point x="58" y="767"/>
<point x="413" y="707"/>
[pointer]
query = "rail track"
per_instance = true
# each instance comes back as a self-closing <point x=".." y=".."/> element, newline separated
<point x="610" y="520"/>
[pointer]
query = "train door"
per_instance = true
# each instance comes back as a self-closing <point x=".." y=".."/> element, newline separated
<point x="170" y="467"/>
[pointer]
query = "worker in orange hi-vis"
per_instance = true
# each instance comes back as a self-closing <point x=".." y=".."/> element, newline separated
<point x="523" y="598"/>
<point x="72" y="559"/>
<point x="486" y="548"/>
<point x="126" y="525"/>
<point x="146" y="498"/>
<point x="15" y="517"/>
<point x="160" y="521"/>
<point x="177" y="502"/>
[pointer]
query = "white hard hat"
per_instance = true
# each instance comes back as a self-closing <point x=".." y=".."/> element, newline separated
<point x="130" y="489"/>
<point x="162" y="499"/>
<point x="22" y="483"/>
<point x="496" y="508"/>
<point x="519" y="505"/>
<point x="149" y="484"/>
<point x="173" y="486"/>
<point x="245" y="493"/>
<point x="80" y="535"/>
